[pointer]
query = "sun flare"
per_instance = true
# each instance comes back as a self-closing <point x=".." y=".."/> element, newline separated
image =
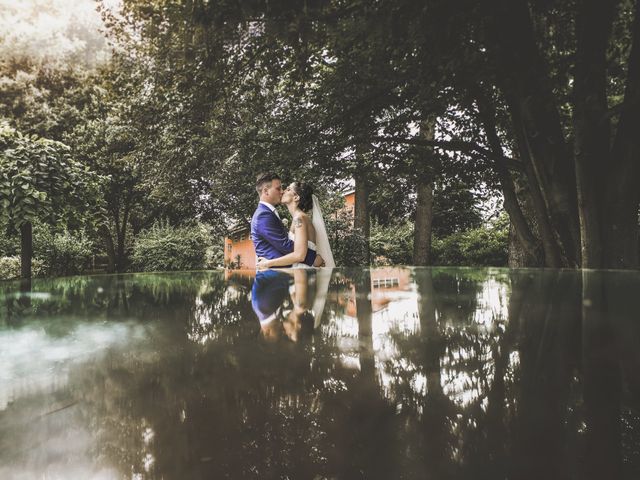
<point x="52" y="30"/>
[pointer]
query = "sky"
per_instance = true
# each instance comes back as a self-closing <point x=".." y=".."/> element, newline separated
<point x="55" y="30"/>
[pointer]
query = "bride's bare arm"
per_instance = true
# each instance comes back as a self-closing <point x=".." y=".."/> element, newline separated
<point x="299" y="247"/>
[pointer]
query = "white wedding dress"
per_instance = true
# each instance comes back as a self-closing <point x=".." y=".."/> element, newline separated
<point x="320" y="284"/>
<point x="322" y="247"/>
<point x="310" y="245"/>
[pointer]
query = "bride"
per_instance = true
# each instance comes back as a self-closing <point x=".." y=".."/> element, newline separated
<point x="306" y="232"/>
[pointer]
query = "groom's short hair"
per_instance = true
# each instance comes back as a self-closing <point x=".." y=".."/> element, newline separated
<point x="265" y="178"/>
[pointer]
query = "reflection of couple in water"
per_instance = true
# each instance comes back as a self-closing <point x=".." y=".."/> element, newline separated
<point x="289" y="302"/>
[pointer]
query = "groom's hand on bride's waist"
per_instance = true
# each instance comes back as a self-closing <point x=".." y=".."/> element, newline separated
<point x="319" y="261"/>
<point x="262" y="263"/>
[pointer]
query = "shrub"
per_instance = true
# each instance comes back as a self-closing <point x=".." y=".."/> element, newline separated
<point x="9" y="242"/>
<point x="10" y="267"/>
<point x="63" y="253"/>
<point x="348" y="245"/>
<point x="448" y="250"/>
<point x="392" y="244"/>
<point x="165" y="247"/>
<point x="484" y="246"/>
<point x="214" y="255"/>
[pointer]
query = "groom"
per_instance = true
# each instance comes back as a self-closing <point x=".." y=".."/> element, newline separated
<point x="268" y="233"/>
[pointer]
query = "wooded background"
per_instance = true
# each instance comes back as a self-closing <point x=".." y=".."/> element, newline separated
<point x="432" y="110"/>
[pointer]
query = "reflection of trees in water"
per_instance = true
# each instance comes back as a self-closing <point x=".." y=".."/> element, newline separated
<point x="438" y="411"/>
<point x="145" y="297"/>
<point x="518" y="412"/>
<point x="457" y="294"/>
<point x="238" y="404"/>
<point x="96" y="297"/>
<point x="534" y="395"/>
<point x="522" y="410"/>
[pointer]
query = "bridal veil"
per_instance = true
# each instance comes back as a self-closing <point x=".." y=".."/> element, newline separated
<point x="322" y="239"/>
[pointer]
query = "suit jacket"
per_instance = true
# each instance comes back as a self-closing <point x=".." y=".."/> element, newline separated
<point x="269" y="291"/>
<point x="270" y="237"/>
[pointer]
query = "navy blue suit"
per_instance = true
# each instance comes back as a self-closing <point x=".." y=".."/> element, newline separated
<point x="269" y="291"/>
<point x="270" y="237"/>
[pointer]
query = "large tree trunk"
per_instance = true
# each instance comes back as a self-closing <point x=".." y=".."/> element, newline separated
<point x="519" y="225"/>
<point x="424" y="220"/>
<point x="361" y="208"/>
<point x="622" y="197"/>
<point x="424" y="202"/>
<point x="550" y="244"/>
<point x="518" y="256"/>
<point x="121" y="262"/>
<point x="26" y="249"/>
<point x="120" y="235"/>
<point x="111" y="251"/>
<point x="591" y="124"/>
<point x="527" y="88"/>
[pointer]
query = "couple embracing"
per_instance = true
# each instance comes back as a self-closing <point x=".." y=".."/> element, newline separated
<point x="306" y="244"/>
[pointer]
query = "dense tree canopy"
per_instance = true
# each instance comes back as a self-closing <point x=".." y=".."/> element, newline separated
<point x="39" y="180"/>
<point x="521" y="92"/>
<point x="423" y="107"/>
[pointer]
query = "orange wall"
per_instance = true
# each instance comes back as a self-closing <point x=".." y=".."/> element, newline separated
<point x="244" y="248"/>
<point x="350" y="200"/>
<point x="349" y="204"/>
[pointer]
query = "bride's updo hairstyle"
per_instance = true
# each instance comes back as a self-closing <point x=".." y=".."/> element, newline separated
<point x="305" y="192"/>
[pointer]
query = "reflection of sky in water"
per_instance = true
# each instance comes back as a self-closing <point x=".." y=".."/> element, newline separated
<point x="205" y="328"/>
<point x="129" y="399"/>
<point x="492" y="303"/>
<point x="32" y="360"/>
<point x="400" y="316"/>
<point x="35" y="363"/>
<point x="202" y="317"/>
<point x="35" y="371"/>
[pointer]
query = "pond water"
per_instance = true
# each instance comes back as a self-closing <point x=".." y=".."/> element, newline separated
<point x="385" y="373"/>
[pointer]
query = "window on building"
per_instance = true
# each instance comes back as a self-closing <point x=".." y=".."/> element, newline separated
<point x="386" y="282"/>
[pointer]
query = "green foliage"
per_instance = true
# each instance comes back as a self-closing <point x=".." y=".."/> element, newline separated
<point x="349" y="246"/>
<point x="57" y="253"/>
<point x="62" y="253"/>
<point x="42" y="100"/>
<point x="196" y="100"/>
<point x="455" y="209"/>
<point x="39" y="179"/>
<point x="9" y="242"/>
<point x="483" y="246"/>
<point x="392" y="244"/>
<point x="164" y="247"/>
<point x="10" y="267"/>
<point x="214" y="256"/>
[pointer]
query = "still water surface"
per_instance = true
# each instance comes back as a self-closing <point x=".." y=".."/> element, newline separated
<point x="385" y="373"/>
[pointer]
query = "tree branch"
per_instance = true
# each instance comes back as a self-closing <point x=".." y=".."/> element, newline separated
<point x="454" y="145"/>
